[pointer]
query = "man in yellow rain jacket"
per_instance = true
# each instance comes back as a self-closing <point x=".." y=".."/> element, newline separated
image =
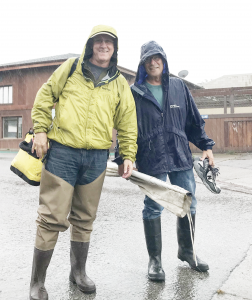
<point x="88" y="104"/>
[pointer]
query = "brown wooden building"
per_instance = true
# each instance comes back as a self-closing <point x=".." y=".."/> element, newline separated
<point x="19" y="83"/>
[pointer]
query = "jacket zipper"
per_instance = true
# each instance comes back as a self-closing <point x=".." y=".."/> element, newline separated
<point x="162" y="115"/>
<point x="150" y="145"/>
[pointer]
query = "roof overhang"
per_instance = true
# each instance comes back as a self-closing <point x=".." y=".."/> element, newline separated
<point x="30" y="66"/>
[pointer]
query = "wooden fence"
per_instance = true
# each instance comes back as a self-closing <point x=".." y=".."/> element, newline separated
<point x="231" y="132"/>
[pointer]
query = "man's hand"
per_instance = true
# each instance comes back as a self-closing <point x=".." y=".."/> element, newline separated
<point x="125" y="169"/>
<point x="40" y="144"/>
<point x="208" y="154"/>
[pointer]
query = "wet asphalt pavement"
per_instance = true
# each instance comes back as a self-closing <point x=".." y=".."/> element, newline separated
<point x="118" y="259"/>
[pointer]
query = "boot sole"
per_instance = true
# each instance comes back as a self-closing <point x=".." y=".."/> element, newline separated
<point x="194" y="268"/>
<point x="91" y="291"/>
<point x="198" y="269"/>
<point x="159" y="278"/>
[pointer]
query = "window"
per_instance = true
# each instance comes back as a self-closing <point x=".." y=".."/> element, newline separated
<point x="5" y="94"/>
<point x="12" y="127"/>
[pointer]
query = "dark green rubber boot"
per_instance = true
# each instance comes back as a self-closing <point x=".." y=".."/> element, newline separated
<point x="78" y="276"/>
<point x="41" y="260"/>
<point x="153" y="237"/>
<point x="185" y="250"/>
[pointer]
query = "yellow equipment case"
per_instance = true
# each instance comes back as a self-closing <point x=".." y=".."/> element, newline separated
<point x="26" y="164"/>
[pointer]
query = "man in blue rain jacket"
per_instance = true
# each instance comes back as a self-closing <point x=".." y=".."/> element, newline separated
<point x="167" y="120"/>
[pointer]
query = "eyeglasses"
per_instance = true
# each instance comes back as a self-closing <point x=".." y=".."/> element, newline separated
<point x="101" y="40"/>
<point x="153" y="57"/>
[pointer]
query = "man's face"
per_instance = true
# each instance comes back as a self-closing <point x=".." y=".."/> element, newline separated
<point x="154" y="65"/>
<point x="103" y="48"/>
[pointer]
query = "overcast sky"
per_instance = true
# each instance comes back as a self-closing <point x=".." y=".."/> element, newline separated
<point x="208" y="38"/>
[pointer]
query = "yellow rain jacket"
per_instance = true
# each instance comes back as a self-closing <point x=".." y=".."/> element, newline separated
<point x="85" y="114"/>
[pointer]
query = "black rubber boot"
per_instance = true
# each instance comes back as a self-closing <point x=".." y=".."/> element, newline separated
<point x="185" y="250"/>
<point x="41" y="260"/>
<point x="78" y="258"/>
<point x="153" y="237"/>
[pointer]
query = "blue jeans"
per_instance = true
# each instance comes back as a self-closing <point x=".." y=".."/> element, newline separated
<point x="75" y="166"/>
<point x="184" y="179"/>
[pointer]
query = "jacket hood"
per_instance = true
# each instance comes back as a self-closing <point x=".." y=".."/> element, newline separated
<point x="88" y="48"/>
<point x="148" y="49"/>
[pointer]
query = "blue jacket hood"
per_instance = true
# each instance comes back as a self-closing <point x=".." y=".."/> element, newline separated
<point x="148" y="49"/>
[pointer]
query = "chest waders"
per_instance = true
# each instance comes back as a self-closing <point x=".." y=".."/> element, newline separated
<point x="61" y="205"/>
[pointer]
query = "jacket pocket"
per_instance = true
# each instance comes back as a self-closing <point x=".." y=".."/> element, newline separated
<point x="151" y="154"/>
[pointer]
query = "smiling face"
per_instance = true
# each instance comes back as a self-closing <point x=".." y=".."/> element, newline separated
<point x="103" y="49"/>
<point x="154" y="66"/>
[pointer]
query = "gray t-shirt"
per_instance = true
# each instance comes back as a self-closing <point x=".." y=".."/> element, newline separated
<point x="97" y="71"/>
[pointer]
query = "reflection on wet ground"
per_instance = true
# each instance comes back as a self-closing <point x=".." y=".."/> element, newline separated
<point x="117" y="260"/>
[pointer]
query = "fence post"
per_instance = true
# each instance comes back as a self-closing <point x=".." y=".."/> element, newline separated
<point x="225" y="104"/>
<point x="231" y="100"/>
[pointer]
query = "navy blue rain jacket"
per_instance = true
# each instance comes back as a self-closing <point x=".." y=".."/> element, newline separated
<point x="163" y="133"/>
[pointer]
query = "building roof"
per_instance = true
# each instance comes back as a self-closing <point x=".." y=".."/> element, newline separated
<point x="47" y="61"/>
<point x="41" y="60"/>
<point x="54" y="60"/>
<point x="190" y="85"/>
<point x="227" y="81"/>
